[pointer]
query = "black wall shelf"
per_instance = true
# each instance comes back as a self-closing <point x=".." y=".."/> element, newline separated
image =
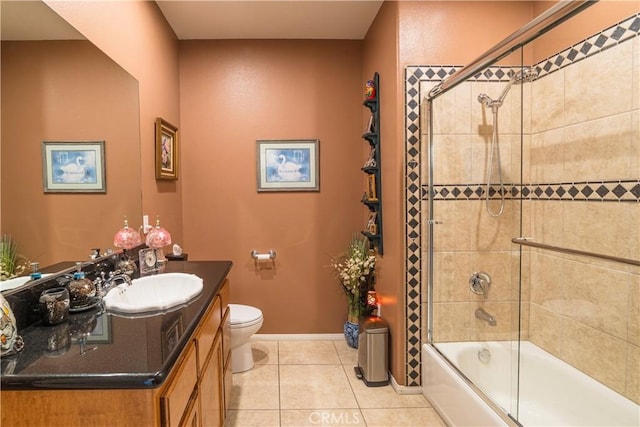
<point x="372" y="198"/>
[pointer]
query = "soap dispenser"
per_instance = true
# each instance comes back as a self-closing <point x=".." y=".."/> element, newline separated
<point x="35" y="274"/>
<point x="81" y="289"/>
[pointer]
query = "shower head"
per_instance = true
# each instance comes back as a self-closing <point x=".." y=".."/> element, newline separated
<point x="525" y="75"/>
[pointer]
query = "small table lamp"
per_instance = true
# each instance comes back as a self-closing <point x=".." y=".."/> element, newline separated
<point x="127" y="238"/>
<point x="158" y="237"/>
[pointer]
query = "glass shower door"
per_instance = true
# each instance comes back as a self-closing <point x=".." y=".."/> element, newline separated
<point x="473" y="213"/>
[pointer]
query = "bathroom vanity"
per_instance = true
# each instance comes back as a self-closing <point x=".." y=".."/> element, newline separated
<point x="168" y="369"/>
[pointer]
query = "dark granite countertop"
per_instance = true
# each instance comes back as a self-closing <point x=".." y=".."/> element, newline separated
<point x="100" y="350"/>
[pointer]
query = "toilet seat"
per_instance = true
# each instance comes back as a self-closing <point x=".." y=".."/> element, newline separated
<point x="243" y="316"/>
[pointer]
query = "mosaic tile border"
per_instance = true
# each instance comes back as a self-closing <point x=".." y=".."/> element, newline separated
<point x="598" y="191"/>
<point x="415" y="190"/>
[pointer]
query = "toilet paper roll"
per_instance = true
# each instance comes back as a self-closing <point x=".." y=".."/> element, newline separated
<point x="263" y="257"/>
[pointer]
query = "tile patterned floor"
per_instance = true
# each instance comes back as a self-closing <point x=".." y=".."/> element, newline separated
<point x="312" y="383"/>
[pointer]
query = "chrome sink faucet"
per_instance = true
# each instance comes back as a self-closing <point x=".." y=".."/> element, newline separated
<point x="483" y="315"/>
<point x="105" y="285"/>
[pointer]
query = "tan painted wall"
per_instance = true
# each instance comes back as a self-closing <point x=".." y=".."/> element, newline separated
<point x="137" y="36"/>
<point x="66" y="91"/>
<point x="380" y="54"/>
<point x="235" y="92"/>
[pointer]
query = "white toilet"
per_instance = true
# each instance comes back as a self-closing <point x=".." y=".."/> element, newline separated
<point x="245" y="321"/>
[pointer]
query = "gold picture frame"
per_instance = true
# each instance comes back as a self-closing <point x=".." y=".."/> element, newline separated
<point x="372" y="192"/>
<point x="166" y="150"/>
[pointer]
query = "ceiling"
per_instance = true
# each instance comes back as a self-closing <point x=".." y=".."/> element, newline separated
<point x="214" y="19"/>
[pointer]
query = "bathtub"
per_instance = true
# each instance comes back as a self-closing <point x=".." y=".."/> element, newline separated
<point x="552" y="393"/>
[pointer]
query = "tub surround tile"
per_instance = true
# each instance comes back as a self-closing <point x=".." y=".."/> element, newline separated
<point x="546" y="156"/>
<point x="605" y="77"/>
<point x="409" y="417"/>
<point x="545" y="329"/>
<point x="633" y="322"/>
<point x="596" y="297"/>
<point x="452" y="320"/>
<point x="598" y="148"/>
<point x="633" y="373"/>
<point x="505" y="329"/>
<point x="307" y="352"/>
<point x="595" y="353"/>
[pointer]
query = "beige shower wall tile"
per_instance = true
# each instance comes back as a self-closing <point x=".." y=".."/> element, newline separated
<point x="598" y="149"/>
<point x="545" y="328"/>
<point x="452" y="157"/>
<point x="634" y="151"/>
<point x="459" y="101"/>
<point x="506" y="327"/>
<point x="546" y="156"/>
<point x="481" y="149"/>
<point x="633" y="330"/>
<point x="599" y="86"/>
<point x="523" y="311"/>
<point x="635" y="73"/>
<point x="521" y="275"/>
<point x="596" y="297"/>
<point x="450" y="284"/>
<point x="606" y="228"/>
<point x="453" y="231"/>
<point x="509" y="114"/>
<point x="497" y="264"/>
<point x="546" y="279"/>
<point x="451" y="321"/>
<point x="547" y="102"/>
<point x="595" y="353"/>
<point x="633" y="373"/>
<point x="489" y="233"/>
<point x="547" y="222"/>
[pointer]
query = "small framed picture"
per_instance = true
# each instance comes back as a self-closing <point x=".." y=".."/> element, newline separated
<point x="166" y="150"/>
<point x="372" y="226"/>
<point x="371" y="161"/>
<point x="73" y="167"/>
<point x="371" y="126"/>
<point x="372" y="191"/>
<point x="288" y="165"/>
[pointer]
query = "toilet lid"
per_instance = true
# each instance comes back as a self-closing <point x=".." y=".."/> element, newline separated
<point x="241" y="314"/>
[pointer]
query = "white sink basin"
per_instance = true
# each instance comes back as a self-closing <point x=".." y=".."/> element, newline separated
<point x="16" y="282"/>
<point x="160" y="292"/>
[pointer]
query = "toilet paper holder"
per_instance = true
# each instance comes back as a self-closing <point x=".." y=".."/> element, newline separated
<point x="263" y="257"/>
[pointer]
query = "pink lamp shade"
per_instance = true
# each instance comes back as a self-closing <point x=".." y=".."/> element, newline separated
<point x="126" y="237"/>
<point x="158" y="237"/>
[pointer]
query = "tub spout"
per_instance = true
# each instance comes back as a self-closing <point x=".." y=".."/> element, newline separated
<point x="483" y="315"/>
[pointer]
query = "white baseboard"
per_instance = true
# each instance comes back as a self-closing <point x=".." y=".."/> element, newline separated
<point x="297" y="337"/>
<point x="403" y="389"/>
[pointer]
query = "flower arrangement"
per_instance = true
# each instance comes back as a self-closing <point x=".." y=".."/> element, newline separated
<point x="356" y="272"/>
<point x="12" y="264"/>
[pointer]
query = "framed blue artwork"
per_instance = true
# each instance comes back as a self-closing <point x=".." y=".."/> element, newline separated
<point x="73" y="167"/>
<point x="288" y="165"/>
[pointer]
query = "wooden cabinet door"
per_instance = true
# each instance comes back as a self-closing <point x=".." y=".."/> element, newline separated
<point x="178" y="394"/>
<point x="211" y="397"/>
<point x="191" y="417"/>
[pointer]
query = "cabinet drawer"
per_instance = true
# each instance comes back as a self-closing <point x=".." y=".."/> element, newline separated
<point x="207" y="332"/>
<point x="177" y="395"/>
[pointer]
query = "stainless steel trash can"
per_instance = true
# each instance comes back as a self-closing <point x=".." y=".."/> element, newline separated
<point x="373" y="351"/>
